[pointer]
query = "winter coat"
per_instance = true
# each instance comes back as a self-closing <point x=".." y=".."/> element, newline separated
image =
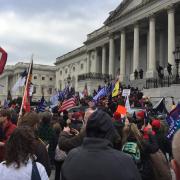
<point x="42" y="155"/>
<point x="68" y="142"/>
<point x="97" y="160"/>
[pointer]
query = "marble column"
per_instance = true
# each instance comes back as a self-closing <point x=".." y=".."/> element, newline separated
<point x="161" y="49"/>
<point x="136" y="48"/>
<point x="111" y="56"/>
<point x="152" y="48"/>
<point x="88" y="63"/>
<point x="104" y="59"/>
<point x="171" y="35"/>
<point x="123" y="55"/>
<point x="96" y="61"/>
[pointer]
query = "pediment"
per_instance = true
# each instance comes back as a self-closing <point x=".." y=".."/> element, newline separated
<point x="123" y="8"/>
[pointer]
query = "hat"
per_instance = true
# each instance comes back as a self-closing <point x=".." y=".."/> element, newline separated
<point x="140" y="114"/>
<point x="145" y="131"/>
<point x="156" y="123"/>
<point x="100" y="125"/>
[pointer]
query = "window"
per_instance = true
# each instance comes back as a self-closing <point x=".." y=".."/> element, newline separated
<point x="82" y="65"/>
<point x="74" y="69"/>
<point x="43" y="78"/>
<point x="50" y="78"/>
<point x="34" y="90"/>
<point x="50" y="90"/>
<point x="66" y="71"/>
<point x="60" y="72"/>
<point x="35" y="77"/>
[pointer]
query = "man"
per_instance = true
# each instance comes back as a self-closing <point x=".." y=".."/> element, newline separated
<point x="96" y="159"/>
<point x="169" y="69"/>
<point x="141" y="73"/>
<point x="136" y="74"/>
<point x="7" y="129"/>
<point x="176" y="153"/>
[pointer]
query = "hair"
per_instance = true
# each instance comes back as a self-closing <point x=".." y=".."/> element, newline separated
<point x="5" y="113"/>
<point x="20" y="146"/>
<point x="29" y="119"/>
<point x="46" y="117"/>
<point x="176" y="147"/>
<point x="133" y="132"/>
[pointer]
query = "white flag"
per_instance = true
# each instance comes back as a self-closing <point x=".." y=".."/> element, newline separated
<point x="20" y="83"/>
<point x="127" y="105"/>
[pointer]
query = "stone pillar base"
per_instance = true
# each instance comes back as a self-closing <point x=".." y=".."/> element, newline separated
<point x="151" y="74"/>
<point x="132" y="78"/>
<point x="122" y="78"/>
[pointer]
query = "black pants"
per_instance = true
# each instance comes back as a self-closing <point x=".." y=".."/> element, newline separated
<point x="58" y="165"/>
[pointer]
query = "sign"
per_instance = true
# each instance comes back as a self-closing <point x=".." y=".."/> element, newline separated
<point x="126" y="92"/>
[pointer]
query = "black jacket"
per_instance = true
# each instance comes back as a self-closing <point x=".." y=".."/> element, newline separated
<point x="97" y="160"/>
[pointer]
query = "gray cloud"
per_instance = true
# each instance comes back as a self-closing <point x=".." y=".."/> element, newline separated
<point x="48" y="28"/>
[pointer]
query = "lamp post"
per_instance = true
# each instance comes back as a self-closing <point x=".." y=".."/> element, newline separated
<point x="177" y="61"/>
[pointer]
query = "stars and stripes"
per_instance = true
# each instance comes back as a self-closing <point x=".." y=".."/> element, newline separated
<point x="69" y="103"/>
<point x="42" y="105"/>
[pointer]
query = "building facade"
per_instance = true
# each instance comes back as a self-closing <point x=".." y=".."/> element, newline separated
<point x="43" y="79"/>
<point x="138" y="34"/>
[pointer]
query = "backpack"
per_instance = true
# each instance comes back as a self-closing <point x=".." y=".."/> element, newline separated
<point x="133" y="150"/>
<point x="160" y="166"/>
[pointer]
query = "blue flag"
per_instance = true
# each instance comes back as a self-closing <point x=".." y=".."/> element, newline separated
<point x="173" y="120"/>
<point x="42" y="105"/>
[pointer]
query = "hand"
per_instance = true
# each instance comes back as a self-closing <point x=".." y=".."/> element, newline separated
<point x="74" y="131"/>
<point x="2" y="144"/>
<point x="67" y="129"/>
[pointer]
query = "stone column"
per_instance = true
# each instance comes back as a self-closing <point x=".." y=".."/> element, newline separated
<point x="171" y="35"/>
<point x="136" y="48"/>
<point x="88" y="63"/>
<point x="152" y="48"/>
<point x="161" y="49"/>
<point x="96" y="61"/>
<point x="123" y="55"/>
<point x="111" y="56"/>
<point x="104" y="59"/>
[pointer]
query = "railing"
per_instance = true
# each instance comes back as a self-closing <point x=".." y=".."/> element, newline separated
<point x="166" y="81"/>
<point x="97" y="76"/>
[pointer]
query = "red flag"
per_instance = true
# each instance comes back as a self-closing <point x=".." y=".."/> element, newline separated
<point x="69" y="103"/>
<point x="26" y="98"/>
<point x="121" y="110"/>
<point x="3" y="59"/>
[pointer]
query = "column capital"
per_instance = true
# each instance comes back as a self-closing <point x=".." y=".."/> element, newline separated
<point x="136" y="24"/>
<point x="170" y="8"/>
<point x="152" y="17"/>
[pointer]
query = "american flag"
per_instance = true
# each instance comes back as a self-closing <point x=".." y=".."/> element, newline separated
<point x="68" y="103"/>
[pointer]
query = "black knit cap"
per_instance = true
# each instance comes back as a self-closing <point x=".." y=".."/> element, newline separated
<point x="100" y="125"/>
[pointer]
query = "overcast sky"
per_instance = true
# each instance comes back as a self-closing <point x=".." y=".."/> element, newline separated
<point x="48" y="28"/>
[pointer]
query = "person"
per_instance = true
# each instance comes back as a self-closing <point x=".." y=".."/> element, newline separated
<point x="32" y="120"/>
<point x="47" y="134"/>
<point x="141" y="73"/>
<point x="169" y="69"/>
<point x="19" y="159"/>
<point x="7" y="128"/>
<point x="136" y="74"/>
<point x="176" y="149"/>
<point x="96" y="158"/>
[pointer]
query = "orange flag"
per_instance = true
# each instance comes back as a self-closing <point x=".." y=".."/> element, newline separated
<point x="121" y="109"/>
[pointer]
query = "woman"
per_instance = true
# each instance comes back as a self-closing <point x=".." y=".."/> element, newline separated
<point x="32" y="120"/>
<point x="19" y="161"/>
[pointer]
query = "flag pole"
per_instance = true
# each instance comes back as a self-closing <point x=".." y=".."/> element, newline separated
<point x="29" y="70"/>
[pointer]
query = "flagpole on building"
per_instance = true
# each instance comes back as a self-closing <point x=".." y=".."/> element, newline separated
<point x="25" y="89"/>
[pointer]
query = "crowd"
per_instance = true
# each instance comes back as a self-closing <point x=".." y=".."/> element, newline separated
<point x="98" y="143"/>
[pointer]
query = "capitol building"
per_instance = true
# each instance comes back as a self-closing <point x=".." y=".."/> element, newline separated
<point x="138" y="34"/>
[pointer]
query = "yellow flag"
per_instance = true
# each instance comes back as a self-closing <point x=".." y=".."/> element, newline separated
<point x="116" y="89"/>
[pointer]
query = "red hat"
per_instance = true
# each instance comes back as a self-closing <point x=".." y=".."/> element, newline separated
<point x="156" y="123"/>
<point x="76" y="115"/>
<point x="117" y="116"/>
<point x="145" y="130"/>
<point x="140" y="114"/>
